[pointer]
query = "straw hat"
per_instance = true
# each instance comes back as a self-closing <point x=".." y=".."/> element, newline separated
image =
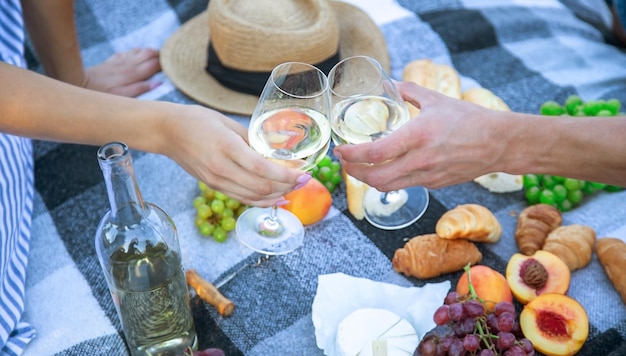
<point x="249" y="38"/>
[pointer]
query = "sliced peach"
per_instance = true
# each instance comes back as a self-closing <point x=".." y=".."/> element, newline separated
<point x="490" y="285"/>
<point x="556" y="324"/>
<point x="531" y="276"/>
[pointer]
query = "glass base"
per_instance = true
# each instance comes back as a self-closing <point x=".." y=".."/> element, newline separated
<point x="255" y="230"/>
<point x="398" y="209"/>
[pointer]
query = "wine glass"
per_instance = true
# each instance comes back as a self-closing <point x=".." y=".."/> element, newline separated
<point x="365" y="107"/>
<point x="289" y="126"/>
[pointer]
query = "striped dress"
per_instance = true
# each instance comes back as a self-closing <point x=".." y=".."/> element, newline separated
<point x="16" y="200"/>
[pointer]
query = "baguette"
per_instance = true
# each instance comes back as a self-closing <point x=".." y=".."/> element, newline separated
<point x="355" y="192"/>
<point x="612" y="256"/>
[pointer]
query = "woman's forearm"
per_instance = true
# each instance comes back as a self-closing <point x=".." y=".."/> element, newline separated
<point x="52" y="31"/>
<point x="589" y="148"/>
<point x="35" y="106"/>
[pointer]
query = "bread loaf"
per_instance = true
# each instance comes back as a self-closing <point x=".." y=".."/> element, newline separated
<point x="485" y="97"/>
<point x="441" y="78"/>
<point x="355" y="192"/>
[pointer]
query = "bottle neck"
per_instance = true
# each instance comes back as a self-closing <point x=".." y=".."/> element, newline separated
<point x="125" y="199"/>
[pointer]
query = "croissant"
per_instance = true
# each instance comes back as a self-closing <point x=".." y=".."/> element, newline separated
<point x="534" y="224"/>
<point x="612" y="256"/>
<point x="428" y="256"/>
<point x="469" y="221"/>
<point x="573" y="244"/>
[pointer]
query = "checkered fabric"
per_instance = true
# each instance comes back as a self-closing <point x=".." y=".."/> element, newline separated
<point x="525" y="51"/>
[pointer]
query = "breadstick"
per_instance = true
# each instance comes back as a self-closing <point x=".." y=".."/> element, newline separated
<point x="209" y="293"/>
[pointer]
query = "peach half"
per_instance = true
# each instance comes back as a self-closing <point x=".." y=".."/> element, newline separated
<point x="490" y="285"/>
<point x="531" y="276"/>
<point x="556" y="324"/>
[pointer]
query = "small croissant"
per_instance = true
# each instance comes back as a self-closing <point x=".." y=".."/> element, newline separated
<point x="612" y="256"/>
<point x="428" y="256"/>
<point x="534" y="224"/>
<point x="573" y="244"/>
<point x="473" y="222"/>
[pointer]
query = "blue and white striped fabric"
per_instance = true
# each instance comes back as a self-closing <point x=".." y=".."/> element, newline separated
<point x="16" y="201"/>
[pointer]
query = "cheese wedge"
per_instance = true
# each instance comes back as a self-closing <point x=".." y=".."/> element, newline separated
<point x="375" y="331"/>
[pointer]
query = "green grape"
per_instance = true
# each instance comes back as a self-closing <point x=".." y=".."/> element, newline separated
<point x="336" y="178"/>
<point x="228" y="223"/>
<point x="531" y="180"/>
<point x="315" y="170"/>
<point x="330" y="186"/>
<point x="206" y="228"/>
<point x="591" y="107"/>
<point x="612" y="105"/>
<point x="548" y="181"/>
<point x="202" y="186"/>
<point x="598" y="186"/>
<point x="324" y="174"/>
<point x="241" y="209"/>
<point x="572" y="103"/>
<point x="532" y="194"/>
<point x="204" y="211"/>
<point x="335" y="166"/>
<point x="198" y="221"/>
<point x="565" y="205"/>
<point x="559" y="179"/>
<point x="573" y="184"/>
<point x="575" y="196"/>
<point x="198" y="200"/>
<point x="227" y="212"/>
<point x="325" y="162"/>
<point x="560" y="193"/>
<point x="613" y="188"/>
<point x="551" y="108"/>
<point x="219" y="234"/>
<point x="208" y="194"/>
<point x="604" y="112"/>
<point x="220" y="196"/>
<point x="217" y="206"/>
<point x="233" y="204"/>
<point x="588" y="188"/>
<point x="547" y="197"/>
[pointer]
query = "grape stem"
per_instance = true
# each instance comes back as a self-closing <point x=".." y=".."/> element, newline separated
<point x="483" y="336"/>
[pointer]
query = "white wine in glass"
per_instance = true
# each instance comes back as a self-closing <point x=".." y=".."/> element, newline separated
<point x="289" y="126"/>
<point x="366" y="107"/>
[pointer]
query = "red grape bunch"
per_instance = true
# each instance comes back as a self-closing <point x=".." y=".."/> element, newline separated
<point x="466" y="328"/>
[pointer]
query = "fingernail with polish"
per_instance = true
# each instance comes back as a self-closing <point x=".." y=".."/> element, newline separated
<point x="302" y="180"/>
<point x="155" y="84"/>
<point x="282" y="202"/>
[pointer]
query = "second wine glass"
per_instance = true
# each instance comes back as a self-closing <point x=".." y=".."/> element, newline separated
<point x="289" y="126"/>
<point x="365" y="107"/>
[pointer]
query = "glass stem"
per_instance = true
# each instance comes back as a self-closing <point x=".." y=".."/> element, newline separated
<point x="271" y="226"/>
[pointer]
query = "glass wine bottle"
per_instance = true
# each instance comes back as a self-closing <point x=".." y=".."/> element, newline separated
<point x="138" y="249"/>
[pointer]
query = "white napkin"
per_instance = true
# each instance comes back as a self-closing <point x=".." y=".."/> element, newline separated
<point x="338" y="295"/>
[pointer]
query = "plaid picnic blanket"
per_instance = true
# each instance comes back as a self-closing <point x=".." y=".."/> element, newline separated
<point x="525" y="51"/>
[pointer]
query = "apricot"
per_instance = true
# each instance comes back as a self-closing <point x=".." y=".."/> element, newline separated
<point x="539" y="273"/>
<point x="490" y="285"/>
<point x="310" y="203"/>
<point x="556" y="324"/>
